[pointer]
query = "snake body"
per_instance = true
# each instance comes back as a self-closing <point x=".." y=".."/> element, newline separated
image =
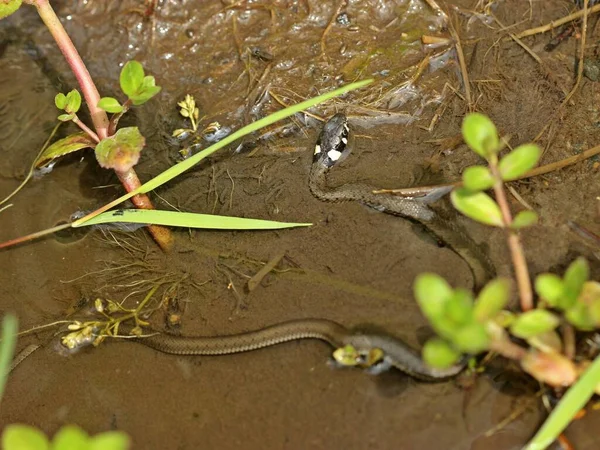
<point x="328" y="152"/>
<point x="395" y="352"/>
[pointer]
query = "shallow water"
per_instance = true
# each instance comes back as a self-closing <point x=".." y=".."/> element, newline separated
<point x="354" y="265"/>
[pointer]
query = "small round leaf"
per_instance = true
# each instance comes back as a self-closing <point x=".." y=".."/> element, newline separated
<point x="577" y="273"/>
<point x="532" y="323"/>
<point x="550" y="288"/>
<point x="110" y="104"/>
<point x="524" y="219"/>
<point x="477" y="206"/>
<point x="492" y="299"/>
<point x="472" y="338"/>
<point x="439" y="354"/>
<point x="480" y="134"/>
<point x="459" y="307"/>
<point x="66" y="117"/>
<point x="477" y="178"/>
<point x="579" y="316"/>
<point x="60" y="100"/>
<point x="73" y="101"/>
<point x="24" y="437"/>
<point x="70" y="437"/>
<point x="519" y="161"/>
<point x="131" y="78"/>
<point x="432" y="292"/>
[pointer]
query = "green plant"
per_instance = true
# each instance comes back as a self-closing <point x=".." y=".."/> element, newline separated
<point x="468" y="325"/>
<point x="69" y="437"/>
<point x="7" y="347"/>
<point x="188" y="219"/>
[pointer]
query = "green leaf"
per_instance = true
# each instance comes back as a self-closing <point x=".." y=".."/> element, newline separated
<point x="550" y="288"/>
<point x="577" y="274"/>
<point x="569" y="405"/>
<point x="122" y="150"/>
<point x="131" y="78"/>
<point x="70" y="144"/>
<point x="534" y="322"/>
<point x="146" y="91"/>
<point x="188" y="220"/>
<point x="459" y="307"/>
<point x="110" y="104"/>
<point x="477" y="178"/>
<point x="472" y="338"/>
<point x="70" y="437"/>
<point x="492" y="299"/>
<point x="10" y="326"/>
<point x="432" y="293"/>
<point x="524" y="219"/>
<point x="480" y="134"/>
<point x="579" y="316"/>
<point x="439" y="354"/>
<point x="60" y="100"/>
<point x="23" y="437"/>
<point x="73" y="101"/>
<point x="477" y="206"/>
<point x="7" y="7"/>
<point x="519" y="161"/>
<point x="66" y="117"/>
<point x="110" y="440"/>
<point x="179" y="168"/>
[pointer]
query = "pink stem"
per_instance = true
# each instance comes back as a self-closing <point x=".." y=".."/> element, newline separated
<point x="88" y="88"/>
<point x="85" y="128"/>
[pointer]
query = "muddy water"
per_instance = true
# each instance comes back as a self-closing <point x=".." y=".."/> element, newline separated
<point x="354" y="265"/>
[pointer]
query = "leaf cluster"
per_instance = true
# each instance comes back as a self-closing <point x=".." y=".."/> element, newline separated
<point x="135" y="84"/>
<point x="481" y="136"/>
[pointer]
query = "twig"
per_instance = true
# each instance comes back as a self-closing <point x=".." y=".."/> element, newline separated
<point x="581" y="54"/>
<point x="463" y="66"/>
<point x="330" y="24"/>
<point x="258" y="277"/>
<point x="558" y="23"/>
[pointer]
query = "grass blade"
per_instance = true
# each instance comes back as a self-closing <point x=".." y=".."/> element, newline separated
<point x="181" y="167"/>
<point x="574" y="400"/>
<point x="7" y="347"/>
<point x="188" y="220"/>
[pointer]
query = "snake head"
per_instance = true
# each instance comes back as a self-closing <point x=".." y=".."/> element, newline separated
<point x="332" y="141"/>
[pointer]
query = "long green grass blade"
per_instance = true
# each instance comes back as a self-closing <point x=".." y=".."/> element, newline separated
<point x="576" y="398"/>
<point x="181" y="167"/>
<point x="7" y="347"/>
<point x="188" y="220"/>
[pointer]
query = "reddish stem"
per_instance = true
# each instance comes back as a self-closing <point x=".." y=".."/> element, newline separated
<point x="85" y="128"/>
<point x="129" y="178"/>
<point x="88" y="88"/>
<point x="514" y="243"/>
<point x="161" y="234"/>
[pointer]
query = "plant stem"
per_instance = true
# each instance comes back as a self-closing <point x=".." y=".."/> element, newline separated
<point x="508" y="349"/>
<point x="88" y="88"/>
<point x="514" y="242"/>
<point x="129" y="179"/>
<point x="85" y="128"/>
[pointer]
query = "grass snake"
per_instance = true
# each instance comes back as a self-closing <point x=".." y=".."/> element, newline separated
<point x="330" y="149"/>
